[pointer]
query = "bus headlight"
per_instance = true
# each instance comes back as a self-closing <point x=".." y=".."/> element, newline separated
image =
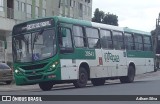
<point x="16" y="71"/>
<point x="19" y="71"/>
<point x="53" y="65"/>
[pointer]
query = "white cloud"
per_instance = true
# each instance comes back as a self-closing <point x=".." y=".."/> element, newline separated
<point x="136" y="14"/>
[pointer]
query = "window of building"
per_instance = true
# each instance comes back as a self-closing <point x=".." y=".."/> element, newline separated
<point x="71" y="3"/>
<point x="1" y="5"/>
<point x="106" y="39"/>
<point x="66" y="11"/>
<point x="36" y="12"/>
<point x="66" y="2"/>
<point x="129" y="43"/>
<point x="74" y="3"/>
<point x="80" y="7"/>
<point x="17" y="5"/>
<point x="93" y="38"/>
<point x="44" y="3"/>
<point x="79" y="36"/>
<point x="89" y="11"/>
<point x="138" y="42"/>
<point x="147" y="43"/>
<point x="22" y="6"/>
<point x="37" y="2"/>
<point x="29" y="11"/>
<point x="118" y="40"/>
<point x="43" y="12"/>
<point x="88" y="1"/>
<point x="85" y="10"/>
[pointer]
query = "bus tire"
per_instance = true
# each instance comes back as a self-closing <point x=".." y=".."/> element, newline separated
<point x="83" y="78"/>
<point x="98" y="82"/>
<point x="46" y="86"/>
<point x="8" y="82"/>
<point x="130" y="77"/>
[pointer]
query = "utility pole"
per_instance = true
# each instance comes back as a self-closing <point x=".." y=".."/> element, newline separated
<point x="156" y="39"/>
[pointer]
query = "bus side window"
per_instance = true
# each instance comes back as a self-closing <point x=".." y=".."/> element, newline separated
<point x="79" y="38"/>
<point x="65" y="40"/>
<point x="118" y="41"/>
<point x="106" y="39"/>
<point x="147" y="43"/>
<point x="92" y="35"/>
<point x="138" y="42"/>
<point x="129" y="43"/>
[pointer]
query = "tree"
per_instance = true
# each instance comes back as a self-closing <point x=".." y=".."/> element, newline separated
<point x="98" y="16"/>
<point x="110" y="19"/>
<point x="101" y="17"/>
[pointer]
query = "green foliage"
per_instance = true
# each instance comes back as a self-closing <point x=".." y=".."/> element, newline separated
<point x="98" y="16"/>
<point x="101" y="17"/>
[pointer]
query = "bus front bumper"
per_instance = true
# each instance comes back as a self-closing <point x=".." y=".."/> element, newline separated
<point x="34" y="79"/>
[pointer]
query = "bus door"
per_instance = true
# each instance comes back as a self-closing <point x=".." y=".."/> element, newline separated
<point x="68" y="65"/>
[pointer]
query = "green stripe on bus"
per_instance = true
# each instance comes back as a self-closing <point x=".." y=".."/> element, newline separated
<point x="80" y="54"/>
<point x="140" y="54"/>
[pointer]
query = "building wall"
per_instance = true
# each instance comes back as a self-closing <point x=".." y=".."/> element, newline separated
<point x="17" y="11"/>
<point x="79" y="9"/>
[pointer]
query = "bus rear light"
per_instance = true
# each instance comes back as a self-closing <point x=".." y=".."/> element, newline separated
<point x="52" y="76"/>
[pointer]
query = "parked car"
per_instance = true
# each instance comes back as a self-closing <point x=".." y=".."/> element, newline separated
<point x="6" y="74"/>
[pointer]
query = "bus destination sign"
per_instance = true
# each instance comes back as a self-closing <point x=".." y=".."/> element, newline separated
<point x="37" y="25"/>
<point x="32" y="25"/>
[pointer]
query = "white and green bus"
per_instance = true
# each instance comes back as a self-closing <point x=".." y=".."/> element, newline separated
<point x="59" y="50"/>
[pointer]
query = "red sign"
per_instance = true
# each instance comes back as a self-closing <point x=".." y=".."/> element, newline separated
<point x="100" y="61"/>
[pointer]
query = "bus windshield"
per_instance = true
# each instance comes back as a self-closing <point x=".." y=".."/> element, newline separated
<point x="34" y="46"/>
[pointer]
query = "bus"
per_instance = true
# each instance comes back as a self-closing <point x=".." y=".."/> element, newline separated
<point x="57" y="50"/>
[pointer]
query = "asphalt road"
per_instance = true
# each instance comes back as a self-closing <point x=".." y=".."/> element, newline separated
<point x="146" y="84"/>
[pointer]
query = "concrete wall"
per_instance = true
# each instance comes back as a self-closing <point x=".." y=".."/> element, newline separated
<point x="6" y="24"/>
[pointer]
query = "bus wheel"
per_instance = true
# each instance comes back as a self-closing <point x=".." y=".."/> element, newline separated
<point x="83" y="78"/>
<point x="130" y="77"/>
<point x="98" y="82"/>
<point x="46" y="86"/>
<point x="8" y="82"/>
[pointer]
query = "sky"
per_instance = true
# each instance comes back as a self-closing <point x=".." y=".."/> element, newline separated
<point x="135" y="14"/>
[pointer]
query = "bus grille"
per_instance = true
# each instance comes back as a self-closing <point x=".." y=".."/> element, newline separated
<point x="34" y="77"/>
<point x="39" y="71"/>
<point x="31" y="67"/>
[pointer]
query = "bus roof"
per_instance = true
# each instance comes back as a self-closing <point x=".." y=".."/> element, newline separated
<point x="73" y="21"/>
<point x="105" y="26"/>
<point x="89" y="23"/>
<point x="126" y="29"/>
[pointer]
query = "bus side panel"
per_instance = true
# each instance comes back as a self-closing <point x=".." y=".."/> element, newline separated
<point x="69" y="69"/>
<point x="142" y="63"/>
<point x="96" y="66"/>
<point x="140" y="66"/>
<point x="149" y="64"/>
<point x="115" y="62"/>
